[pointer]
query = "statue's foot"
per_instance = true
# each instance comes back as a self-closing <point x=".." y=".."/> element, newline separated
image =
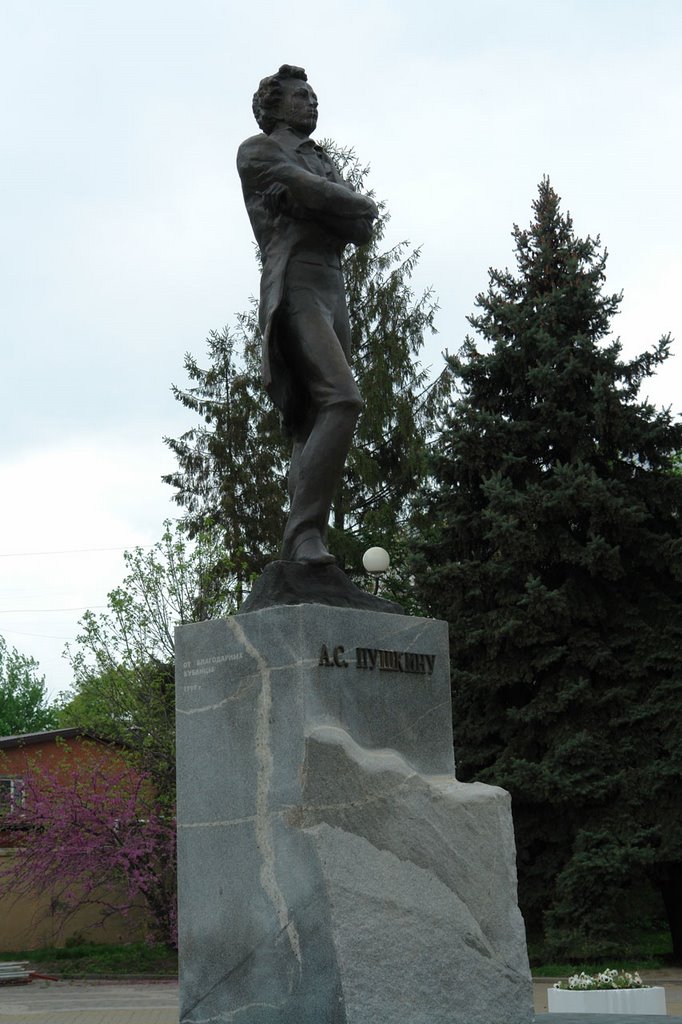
<point x="308" y="548"/>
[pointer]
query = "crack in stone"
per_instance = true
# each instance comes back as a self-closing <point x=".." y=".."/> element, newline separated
<point x="413" y="722"/>
<point x="297" y="665"/>
<point x="228" y="1015"/>
<point x="223" y="978"/>
<point x="217" y="824"/>
<point x="263" y="819"/>
<point x="415" y="638"/>
<point x="385" y="794"/>
<point x="249" y="684"/>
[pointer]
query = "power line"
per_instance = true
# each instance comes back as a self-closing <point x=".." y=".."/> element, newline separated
<point x="42" y="611"/>
<point x="67" y="551"/>
<point x="39" y="636"/>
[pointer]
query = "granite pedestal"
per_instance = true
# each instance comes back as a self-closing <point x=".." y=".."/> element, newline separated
<point x="332" y="870"/>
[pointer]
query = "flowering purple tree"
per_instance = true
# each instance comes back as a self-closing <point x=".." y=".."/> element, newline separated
<point x="94" y="833"/>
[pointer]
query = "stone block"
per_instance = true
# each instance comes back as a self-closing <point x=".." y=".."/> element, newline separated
<point x="332" y="870"/>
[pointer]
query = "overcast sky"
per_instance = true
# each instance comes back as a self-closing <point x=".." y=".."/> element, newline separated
<point x="125" y="241"/>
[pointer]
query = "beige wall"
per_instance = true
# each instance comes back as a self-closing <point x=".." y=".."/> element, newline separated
<point x="29" y="923"/>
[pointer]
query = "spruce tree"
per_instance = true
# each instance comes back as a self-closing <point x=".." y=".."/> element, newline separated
<point x="388" y="457"/>
<point x="231" y="475"/>
<point x="552" y="544"/>
<point x="232" y="467"/>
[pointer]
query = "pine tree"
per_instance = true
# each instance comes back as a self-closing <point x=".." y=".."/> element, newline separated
<point x="552" y="543"/>
<point x="231" y="475"/>
<point x="231" y="469"/>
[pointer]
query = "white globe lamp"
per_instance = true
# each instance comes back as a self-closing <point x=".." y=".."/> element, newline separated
<point x="376" y="562"/>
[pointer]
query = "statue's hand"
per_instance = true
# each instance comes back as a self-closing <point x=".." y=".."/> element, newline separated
<point x="277" y="198"/>
<point x="373" y="212"/>
<point x="362" y="228"/>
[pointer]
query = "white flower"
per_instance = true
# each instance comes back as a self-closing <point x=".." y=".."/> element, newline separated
<point x="606" y="979"/>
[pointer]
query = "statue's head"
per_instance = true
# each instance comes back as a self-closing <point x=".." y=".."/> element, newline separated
<point x="285" y="97"/>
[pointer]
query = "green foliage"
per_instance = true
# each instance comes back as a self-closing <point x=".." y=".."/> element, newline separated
<point x="81" y="959"/>
<point x="553" y="545"/>
<point x="560" y="969"/>
<point x="387" y="461"/>
<point x="232" y="466"/>
<point x="639" y="947"/>
<point x="24" y="705"/>
<point x="123" y="660"/>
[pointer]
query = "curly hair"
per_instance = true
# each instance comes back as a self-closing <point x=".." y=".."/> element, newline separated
<point x="266" y="98"/>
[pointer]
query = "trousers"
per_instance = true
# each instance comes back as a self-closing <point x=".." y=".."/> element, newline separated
<point x="314" y="339"/>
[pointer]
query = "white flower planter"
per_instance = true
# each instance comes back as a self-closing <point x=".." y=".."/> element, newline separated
<point x="621" y="1000"/>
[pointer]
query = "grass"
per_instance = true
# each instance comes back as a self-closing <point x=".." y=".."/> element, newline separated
<point x="97" y="960"/>
<point x="564" y="970"/>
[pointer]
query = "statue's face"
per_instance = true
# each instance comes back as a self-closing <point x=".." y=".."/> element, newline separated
<point x="298" y="106"/>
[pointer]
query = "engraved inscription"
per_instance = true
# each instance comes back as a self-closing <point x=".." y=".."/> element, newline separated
<point x="206" y="667"/>
<point x="371" y="658"/>
<point x="336" y="659"/>
<point x="375" y="658"/>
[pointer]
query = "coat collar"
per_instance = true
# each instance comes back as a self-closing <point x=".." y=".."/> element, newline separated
<point x="288" y="139"/>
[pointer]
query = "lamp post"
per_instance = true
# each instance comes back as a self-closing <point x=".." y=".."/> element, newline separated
<point x="376" y="562"/>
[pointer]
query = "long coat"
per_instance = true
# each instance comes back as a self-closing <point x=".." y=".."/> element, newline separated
<point x="297" y="202"/>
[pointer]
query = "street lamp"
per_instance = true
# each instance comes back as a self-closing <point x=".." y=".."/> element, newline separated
<point x="376" y="562"/>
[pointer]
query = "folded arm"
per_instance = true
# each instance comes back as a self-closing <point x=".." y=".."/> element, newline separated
<point x="266" y="169"/>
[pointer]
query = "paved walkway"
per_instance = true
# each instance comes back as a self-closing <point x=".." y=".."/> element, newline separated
<point x="81" y="1002"/>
